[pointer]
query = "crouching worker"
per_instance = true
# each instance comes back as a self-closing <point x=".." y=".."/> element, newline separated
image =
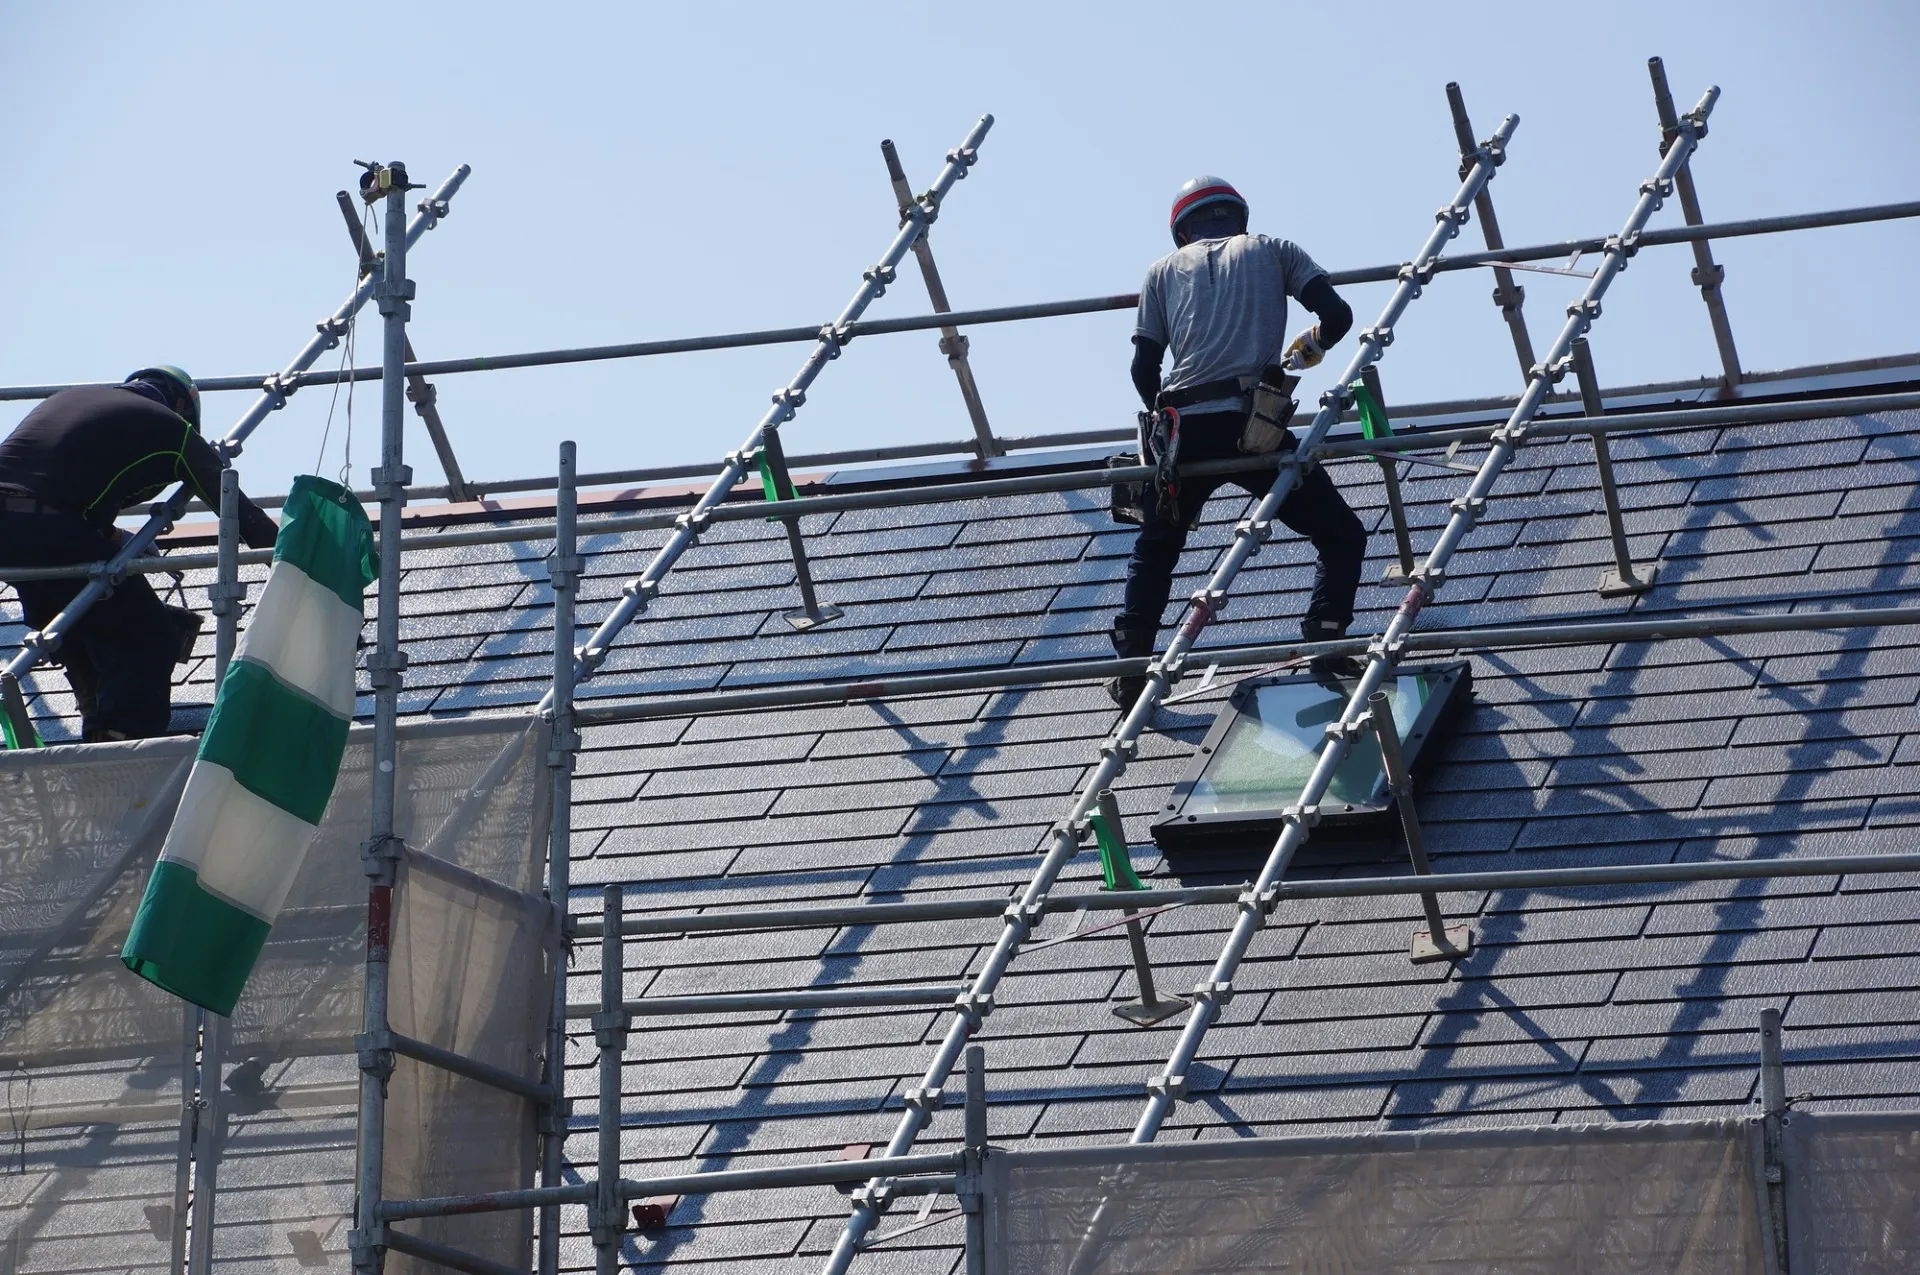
<point x="66" y="471"/>
<point x="1218" y="304"/>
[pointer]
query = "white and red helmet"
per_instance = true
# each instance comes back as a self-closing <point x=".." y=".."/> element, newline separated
<point x="1197" y="194"/>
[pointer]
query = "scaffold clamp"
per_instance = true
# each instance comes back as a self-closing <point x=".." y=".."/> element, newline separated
<point x="1261" y="903"/>
<point x="1304" y="816"/>
<point x="974" y="1007"/>
<point x="923" y="1099"/>
<point x="610" y="1027"/>
<point x="1163" y="1085"/>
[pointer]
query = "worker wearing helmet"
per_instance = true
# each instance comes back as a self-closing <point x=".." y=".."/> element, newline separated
<point x="66" y="472"/>
<point x="1218" y="305"/>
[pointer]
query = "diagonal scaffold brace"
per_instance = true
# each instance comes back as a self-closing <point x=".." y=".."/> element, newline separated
<point x="1022" y="915"/>
<point x="41" y="646"/>
<point x="639" y="592"/>
<point x="1258" y="903"/>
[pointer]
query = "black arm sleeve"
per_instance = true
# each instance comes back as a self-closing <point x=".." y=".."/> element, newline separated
<point x="1146" y="368"/>
<point x="1336" y="318"/>
<point x="203" y="475"/>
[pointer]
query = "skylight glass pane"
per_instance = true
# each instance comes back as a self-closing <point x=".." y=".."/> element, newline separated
<point x="1275" y="740"/>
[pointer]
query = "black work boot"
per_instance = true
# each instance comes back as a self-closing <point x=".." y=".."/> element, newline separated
<point x="1130" y="641"/>
<point x="1338" y="666"/>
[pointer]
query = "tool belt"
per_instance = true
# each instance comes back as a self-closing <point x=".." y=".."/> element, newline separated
<point x="1158" y="441"/>
<point x="1272" y="404"/>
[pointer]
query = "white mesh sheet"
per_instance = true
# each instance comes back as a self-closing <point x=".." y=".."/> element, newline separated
<point x="475" y="793"/>
<point x="92" y="1057"/>
<point x="472" y="972"/>
<point x="1598" y="1200"/>
<point x="1853" y="1193"/>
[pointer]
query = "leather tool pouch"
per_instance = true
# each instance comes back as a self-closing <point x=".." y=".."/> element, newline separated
<point x="1273" y="407"/>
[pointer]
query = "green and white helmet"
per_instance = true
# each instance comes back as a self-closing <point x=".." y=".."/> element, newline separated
<point x="178" y="382"/>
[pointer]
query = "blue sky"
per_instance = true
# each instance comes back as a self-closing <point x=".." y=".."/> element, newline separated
<point x="650" y="171"/>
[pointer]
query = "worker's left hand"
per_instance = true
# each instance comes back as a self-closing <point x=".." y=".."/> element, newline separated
<point x="1306" y="350"/>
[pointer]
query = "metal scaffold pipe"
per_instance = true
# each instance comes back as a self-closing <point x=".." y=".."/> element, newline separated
<point x="799" y="334"/>
<point x="829" y="341"/>
<point x="1069" y="480"/>
<point x="1385" y="653"/>
<point x="386" y="664"/>
<point x="563" y="572"/>
<point x="972" y="1008"/>
<point x="273" y="396"/>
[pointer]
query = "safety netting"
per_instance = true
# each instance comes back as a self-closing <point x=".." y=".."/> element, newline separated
<point x="1623" y="1199"/>
<point x="100" y="1145"/>
<point x="1853" y="1193"/>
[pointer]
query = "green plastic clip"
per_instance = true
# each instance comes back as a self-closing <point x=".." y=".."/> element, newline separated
<point x="1373" y="417"/>
<point x="16" y="728"/>
<point x="775" y="482"/>
<point x="1116" y="865"/>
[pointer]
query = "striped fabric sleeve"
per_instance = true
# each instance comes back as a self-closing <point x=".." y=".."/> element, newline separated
<point x="267" y="763"/>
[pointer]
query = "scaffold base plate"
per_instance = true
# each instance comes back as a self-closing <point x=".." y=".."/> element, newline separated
<point x="1142" y="1014"/>
<point x="1613" y="585"/>
<point x="1458" y="942"/>
<point x="803" y="621"/>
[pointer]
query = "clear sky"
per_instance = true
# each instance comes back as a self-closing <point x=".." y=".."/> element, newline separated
<point x="644" y="171"/>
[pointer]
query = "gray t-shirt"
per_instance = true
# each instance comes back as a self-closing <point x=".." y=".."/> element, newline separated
<point x="1220" y="308"/>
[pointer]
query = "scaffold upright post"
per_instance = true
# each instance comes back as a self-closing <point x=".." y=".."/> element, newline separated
<point x="972" y="1197"/>
<point x="1507" y="294"/>
<point x="1707" y="275"/>
<point x="1773" y="1109"/>
<point x="952" y="343"/>
<point x="1386" y="651"/>
<point x="386" y="665"/>
<point x="1439" y="941"/>
<point x="1022" y="914"/>
<point x="563" y="571"/>
<point x="273" y="395"/>
<point x="225" y="594"/>
<point x="1624" y="579"/>
<point x="420" y="391"/>
<point x="639" y="592"/>
<point x="610" y="1026"/>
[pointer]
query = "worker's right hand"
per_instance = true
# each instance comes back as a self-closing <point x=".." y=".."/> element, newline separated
<point x="1306" y="351"/>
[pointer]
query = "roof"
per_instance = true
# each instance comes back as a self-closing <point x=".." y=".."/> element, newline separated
<point x="1602" y="1004"/>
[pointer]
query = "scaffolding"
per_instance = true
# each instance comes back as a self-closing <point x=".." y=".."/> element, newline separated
<point x="985" y="1183"/>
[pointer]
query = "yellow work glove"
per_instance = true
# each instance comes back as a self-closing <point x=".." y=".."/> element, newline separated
<point x="1306" y="350"/>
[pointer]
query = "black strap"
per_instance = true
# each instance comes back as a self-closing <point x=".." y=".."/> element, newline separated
<point x="1186" y="395"/>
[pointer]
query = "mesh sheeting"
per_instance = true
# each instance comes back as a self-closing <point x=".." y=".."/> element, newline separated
<point x="472" y="972"/>
<point x="476" y="794"/>
<point x="1853" y="1193"/>
<point x="92" y="1056"/>
<point x="1600" y="1200"/>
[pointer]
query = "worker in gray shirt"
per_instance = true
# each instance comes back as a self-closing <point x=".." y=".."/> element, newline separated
<point x="1218" y="304"/>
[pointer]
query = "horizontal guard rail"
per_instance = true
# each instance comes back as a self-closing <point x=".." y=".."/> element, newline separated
<point x="1024" y="484"/>
<point x="741" y="1002"/>
<point x="1039" y="310"/>
<point x="830" y="1173"/>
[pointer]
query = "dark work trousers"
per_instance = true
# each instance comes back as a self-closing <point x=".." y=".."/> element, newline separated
<point x="119" y="657"/>
<point x="1314" y="508"/>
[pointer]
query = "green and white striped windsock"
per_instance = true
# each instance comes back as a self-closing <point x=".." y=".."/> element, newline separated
<point x="267" y="763"/>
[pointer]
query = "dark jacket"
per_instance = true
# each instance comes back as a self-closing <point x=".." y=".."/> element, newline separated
<point x="101" y="449"/>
